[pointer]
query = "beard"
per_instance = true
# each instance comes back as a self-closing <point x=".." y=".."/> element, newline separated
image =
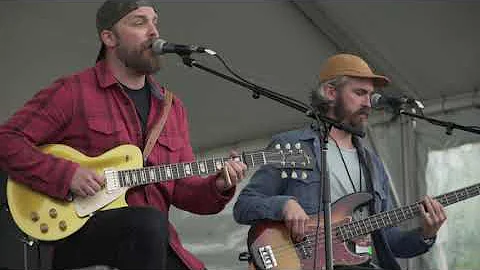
<point x="350" y="118"/>
<point x="140" y="60"/>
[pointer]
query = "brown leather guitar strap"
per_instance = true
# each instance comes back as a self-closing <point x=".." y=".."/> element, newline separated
<point x="157" y="129"/>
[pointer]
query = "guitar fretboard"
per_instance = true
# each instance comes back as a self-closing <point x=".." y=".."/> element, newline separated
<point x="147" y="175"/>
<point x="398" y="215"/>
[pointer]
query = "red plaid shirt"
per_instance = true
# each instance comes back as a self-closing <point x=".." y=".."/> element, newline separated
<point x="91" y="113"/>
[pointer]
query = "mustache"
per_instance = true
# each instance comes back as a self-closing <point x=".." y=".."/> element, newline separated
<point x="364" y="110"/>
<point x="148" y="44"/>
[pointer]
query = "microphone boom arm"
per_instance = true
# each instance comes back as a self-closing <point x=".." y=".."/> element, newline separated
<point x="285" y="100"/>
<point x="449" y="126"/>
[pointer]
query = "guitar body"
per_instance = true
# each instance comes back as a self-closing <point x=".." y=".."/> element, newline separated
<point x="46" y="218"/>
<point x="271" y="246"/>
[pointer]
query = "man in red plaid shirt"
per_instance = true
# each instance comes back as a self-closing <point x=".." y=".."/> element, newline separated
<point x="113" y="103"/>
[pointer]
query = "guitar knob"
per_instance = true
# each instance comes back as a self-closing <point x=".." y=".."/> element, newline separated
<point x="288" y="146"/>
<point x="284" y="175"/>
<point x="298" y="146"/>
<point x="62" y="225"/>
<point x="53" y="213"/>
<point x="304" y="175"/>
<point x="44" y="228"/>
<point x="294" y="175"/>
<point x="34" y="216"/>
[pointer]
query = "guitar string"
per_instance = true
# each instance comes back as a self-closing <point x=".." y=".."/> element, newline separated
<point x="353" y="226"/>
<point x="412" y="211"/>
<point x="173" y="167"/>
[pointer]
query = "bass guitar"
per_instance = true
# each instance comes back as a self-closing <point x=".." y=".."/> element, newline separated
<point x="271" y="246"/>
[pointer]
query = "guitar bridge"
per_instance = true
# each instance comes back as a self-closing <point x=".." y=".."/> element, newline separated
<point x="268" y="259"/>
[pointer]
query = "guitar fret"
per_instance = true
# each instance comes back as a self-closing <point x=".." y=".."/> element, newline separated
<point x="152" y="174"/>
<point x="157" y="174"/>
<point x="187" y="169"/>
<point x="218" y="164"/>
<point x="202" y="167"/>
<point x="253" y="161"/>
<point x="144" y="176"/>
<point x="168" y="172"/>
<point x="389" y="218"/>
<point x="128" y="178"/>
<point x="208" y="166"/>
<point x="178" y="172"/>
<point x="120" y="178"/>
<point x="134" y="177"/>
<point x="364" y="227"/>
<point x="264" y="158"/>
<point x="140" y="177"/>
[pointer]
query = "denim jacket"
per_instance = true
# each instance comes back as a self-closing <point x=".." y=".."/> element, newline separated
<point x="266" y="194"/>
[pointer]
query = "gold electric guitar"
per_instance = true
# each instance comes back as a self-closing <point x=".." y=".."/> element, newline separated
<point x="45" y="218"/>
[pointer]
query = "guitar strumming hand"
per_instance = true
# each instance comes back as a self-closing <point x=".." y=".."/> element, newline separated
<point x="295" y="219"/>
<point x="86" y="182"/>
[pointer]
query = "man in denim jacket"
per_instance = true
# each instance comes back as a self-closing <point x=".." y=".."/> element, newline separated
<point x="346" y="84"/>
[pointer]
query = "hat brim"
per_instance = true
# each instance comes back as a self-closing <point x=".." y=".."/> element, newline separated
<point x="378" y="80"/>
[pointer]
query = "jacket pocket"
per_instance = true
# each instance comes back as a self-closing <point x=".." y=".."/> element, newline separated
<point x="104" y="134"/>
<point x="172" y="143"/>
<point x="169" y="149"/>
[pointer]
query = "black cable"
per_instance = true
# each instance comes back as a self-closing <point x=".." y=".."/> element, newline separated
<point x="236" y="75"/>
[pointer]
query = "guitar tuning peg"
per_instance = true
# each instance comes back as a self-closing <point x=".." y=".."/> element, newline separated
<point x="277" y="146"/>
<point x="298" y="146"/>
<point x="284" y="175"/>
<point x="304" y="175"/>
<point x="288" y="146"/>
<point x="294" y="175"/>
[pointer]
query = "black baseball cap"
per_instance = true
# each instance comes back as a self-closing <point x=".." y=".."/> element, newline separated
<point x="111" y="12"/>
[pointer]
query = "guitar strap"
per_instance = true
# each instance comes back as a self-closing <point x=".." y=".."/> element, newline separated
<point x="157" y="129"/>
<point x="378" y="239"/>
<point x="366" y="162"/>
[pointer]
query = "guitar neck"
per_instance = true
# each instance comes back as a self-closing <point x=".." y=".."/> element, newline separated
<point x="398" y="215"/>
<point x="155" y="174"/>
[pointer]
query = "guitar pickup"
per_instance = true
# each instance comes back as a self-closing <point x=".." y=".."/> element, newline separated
<point x="268" y="259"/>
<point x="111" y="180"/>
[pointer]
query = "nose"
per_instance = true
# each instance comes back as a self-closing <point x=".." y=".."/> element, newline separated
<point x="367" y="101"/>
<point x="153" y="31"/>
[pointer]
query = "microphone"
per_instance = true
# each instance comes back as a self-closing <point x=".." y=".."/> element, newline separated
<point x="379" y="102"/>
<point x="161" y="46"/>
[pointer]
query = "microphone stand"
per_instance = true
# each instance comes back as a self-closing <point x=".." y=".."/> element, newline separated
<point x="310" y="112"/>
<point x="449" y="126"/>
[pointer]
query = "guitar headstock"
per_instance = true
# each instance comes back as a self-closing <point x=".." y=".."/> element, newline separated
<point x="292" y="158"/>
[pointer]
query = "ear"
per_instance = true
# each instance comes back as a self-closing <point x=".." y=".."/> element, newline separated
<point x="108" y="38"/>
<point x="330" y="92"/>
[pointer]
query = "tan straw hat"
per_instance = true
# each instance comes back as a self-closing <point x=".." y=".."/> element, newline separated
<point x="350" y="65"/>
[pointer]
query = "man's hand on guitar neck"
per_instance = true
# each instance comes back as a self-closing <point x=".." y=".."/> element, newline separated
<point x="433" y="216"/>
<point x="295" y="219"/>
<point x="232" y="173"/>
<point x="86" y="182"/>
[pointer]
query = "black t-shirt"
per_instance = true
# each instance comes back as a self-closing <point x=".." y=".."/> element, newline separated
<point x="141" y="99"/>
